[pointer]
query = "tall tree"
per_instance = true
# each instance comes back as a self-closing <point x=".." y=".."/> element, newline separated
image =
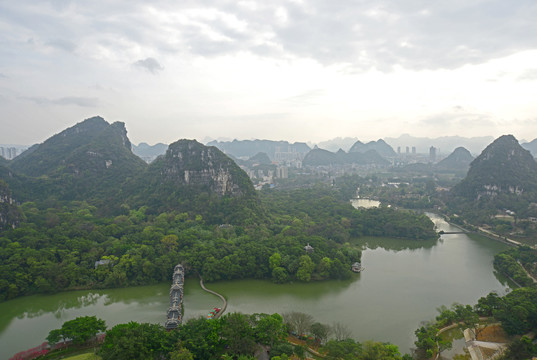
<point x="79" y="330"/>
<point x="134" y="341"/>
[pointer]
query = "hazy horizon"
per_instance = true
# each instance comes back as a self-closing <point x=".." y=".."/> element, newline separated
<point x="208" y="139"/>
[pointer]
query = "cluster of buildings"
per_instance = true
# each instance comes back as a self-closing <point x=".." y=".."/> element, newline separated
<point x="8" y="152"/>
<point x="262" y="177"/>
<point x="289" y="158"/>
<point x="410" y="155"/>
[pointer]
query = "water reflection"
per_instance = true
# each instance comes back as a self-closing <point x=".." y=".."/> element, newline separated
<point x="392" y="244"/>
<point x="58" y="305"/>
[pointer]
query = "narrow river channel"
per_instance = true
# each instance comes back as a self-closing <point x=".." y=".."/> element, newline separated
<point x="403" y="283"/>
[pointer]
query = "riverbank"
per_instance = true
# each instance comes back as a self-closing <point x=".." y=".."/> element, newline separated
<point x="482" y="231"/>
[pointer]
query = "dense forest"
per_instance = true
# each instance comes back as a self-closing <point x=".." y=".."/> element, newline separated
<point x="57" y="248"/>
<point x="518" y="264"/>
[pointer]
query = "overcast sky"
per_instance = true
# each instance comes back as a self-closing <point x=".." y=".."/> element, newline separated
<point x="292" y="70"/>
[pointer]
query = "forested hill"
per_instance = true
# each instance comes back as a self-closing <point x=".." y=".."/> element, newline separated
<point x="93" y="162"/>
<point x="504" y="167"/>
<point x="193" y="177"/>
<point x="459" y="159"/>
<point x="89" y="161"/>
<point x="48" y="156"/>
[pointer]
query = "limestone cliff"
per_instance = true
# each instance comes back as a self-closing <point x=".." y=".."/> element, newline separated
<point x="198" y="179"/>
<point x="190" y="163"/>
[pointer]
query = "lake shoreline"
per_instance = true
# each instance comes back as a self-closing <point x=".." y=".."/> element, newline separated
<point x="405" y="281"/>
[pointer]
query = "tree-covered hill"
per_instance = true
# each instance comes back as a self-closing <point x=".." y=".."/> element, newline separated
<point x="260" y="158"/>
<point x="501" y="181"/>
<point x="98" y="169"/>
<point x="317" y="157"/>
<point x="45" y="158"/>
<point x="459" y="159"/>
<point x="93" y="161"/>
<point x="89" y="161"/>
<point x="504" y="167"/>
<point x="197" y="178"/>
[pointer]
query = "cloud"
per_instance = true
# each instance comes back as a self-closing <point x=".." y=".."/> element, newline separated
<point x="414" y="34"/>
<point x="149" y="64"/>
<point x="457" y="118"/>
<point x="529" y="74"/>
<point x="306" y="97"/>
<point x="62" y="45"/>
<point x="69" y="100"/>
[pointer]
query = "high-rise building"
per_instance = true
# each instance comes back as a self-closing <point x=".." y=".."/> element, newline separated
<point x="432" y="154"/>
<point x="282" y="172"/>
<point x="413" y="150"/>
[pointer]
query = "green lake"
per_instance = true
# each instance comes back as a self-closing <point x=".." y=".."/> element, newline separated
<point x="402" y="285"/>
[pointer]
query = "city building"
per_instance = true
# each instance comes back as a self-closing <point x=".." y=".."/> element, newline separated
<point x="282" y="172"/>
<point x="432" y="154"/>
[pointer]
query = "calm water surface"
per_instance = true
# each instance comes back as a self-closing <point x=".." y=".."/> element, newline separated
<point x="403" y="283"/>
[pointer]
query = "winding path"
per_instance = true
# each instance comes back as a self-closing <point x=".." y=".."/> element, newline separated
<point x="526" y="271"/>
<point x="217" y="294"/>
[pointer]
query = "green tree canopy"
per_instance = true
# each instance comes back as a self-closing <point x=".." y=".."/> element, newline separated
<point x="79" y="330"/>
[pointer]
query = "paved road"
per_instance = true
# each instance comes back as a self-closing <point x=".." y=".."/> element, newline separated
<point x="526" y="271"/>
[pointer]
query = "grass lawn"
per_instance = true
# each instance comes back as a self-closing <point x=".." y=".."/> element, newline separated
<point x="86" y="356"/>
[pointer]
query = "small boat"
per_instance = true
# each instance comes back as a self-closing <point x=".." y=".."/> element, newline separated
<point x="213" y="313"/>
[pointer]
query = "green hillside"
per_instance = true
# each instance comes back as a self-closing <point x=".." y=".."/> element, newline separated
<point x="504" y="167"/>
<point x="192" y="177"/>
<point x="45" y="158"/>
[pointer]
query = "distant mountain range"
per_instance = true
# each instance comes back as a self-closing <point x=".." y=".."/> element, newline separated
<point x="445" y="144"/>
<point x="321" y="157"/>
<point x="531" y="147"/>
<point x="147" y="152"/>
<point x="379" y="146"/>
<point x="248" y="148"/>
<point x="335" y="144"/>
